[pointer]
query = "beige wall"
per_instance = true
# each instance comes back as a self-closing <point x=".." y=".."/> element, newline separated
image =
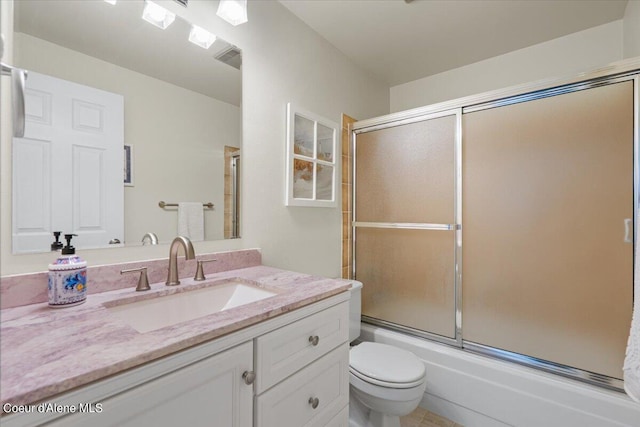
<point x="631" y="24"/>
<point x="286" y="61"/>
<point x="563" y="56"/>
<point x="178" y="137"/>
<point x="283" y="61"/>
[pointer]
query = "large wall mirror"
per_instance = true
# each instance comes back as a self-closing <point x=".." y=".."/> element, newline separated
<point x="120" y="116"/>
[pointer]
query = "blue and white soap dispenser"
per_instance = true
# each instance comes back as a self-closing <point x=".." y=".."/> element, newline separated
<point x="67" y="278"/>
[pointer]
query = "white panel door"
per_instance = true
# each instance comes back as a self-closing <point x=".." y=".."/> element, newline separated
<point x="68" y="168"/>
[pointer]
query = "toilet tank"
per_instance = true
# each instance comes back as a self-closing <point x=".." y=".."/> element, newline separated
<point x="355" y="310"/>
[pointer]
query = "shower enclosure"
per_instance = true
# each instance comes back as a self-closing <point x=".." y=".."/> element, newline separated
<point x="505" y="227"/>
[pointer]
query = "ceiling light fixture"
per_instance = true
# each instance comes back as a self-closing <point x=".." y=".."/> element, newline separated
<point x="233" y="11"/>
<point x="157" y="15"/>
<point x="113" y="2"/>
<point x="201" y="37"/>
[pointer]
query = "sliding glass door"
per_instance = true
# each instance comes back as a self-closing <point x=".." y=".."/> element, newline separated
<point x="548" y="227"/>
<point x="405" y="215"/>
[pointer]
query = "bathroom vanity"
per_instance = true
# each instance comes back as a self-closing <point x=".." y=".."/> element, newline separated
<point x="279" y="361"/>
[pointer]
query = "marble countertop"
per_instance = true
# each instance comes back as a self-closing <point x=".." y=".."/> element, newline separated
<point x="47" y="351"/>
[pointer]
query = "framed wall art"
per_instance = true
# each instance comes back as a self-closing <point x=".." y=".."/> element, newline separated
<point x="312" y="159"/>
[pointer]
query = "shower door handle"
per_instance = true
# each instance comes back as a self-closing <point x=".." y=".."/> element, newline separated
<point x="627" y="230"/>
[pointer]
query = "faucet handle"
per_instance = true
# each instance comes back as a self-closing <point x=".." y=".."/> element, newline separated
<point x="153" y="238"/>
<point x="200" y="271"/>
<point x="143" y="281"/>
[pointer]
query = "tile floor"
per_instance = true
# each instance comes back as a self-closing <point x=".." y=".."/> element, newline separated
<point x="423" y="418"/>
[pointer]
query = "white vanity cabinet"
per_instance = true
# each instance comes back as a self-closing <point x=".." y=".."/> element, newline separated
<point x="311" y="397"/>
<point x="210" y="392"/>
<point x="303" y="371"/>
<point x="298" y="366"/>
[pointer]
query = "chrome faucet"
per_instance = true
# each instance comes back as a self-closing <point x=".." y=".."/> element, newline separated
<point x="189" y="253"/>
<point x="153" y="238"/>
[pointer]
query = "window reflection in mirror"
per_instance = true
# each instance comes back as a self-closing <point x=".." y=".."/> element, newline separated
<point x="99" y="69"/>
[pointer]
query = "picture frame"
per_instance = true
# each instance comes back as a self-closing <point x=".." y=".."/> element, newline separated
<point x="313" y="159"/>
<point x="128" y="166"/>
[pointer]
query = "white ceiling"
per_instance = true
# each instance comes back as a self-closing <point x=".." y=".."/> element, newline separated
<point x="400" y="42"/>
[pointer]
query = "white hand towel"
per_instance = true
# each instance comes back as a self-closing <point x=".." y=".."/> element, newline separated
<point x="191" y="220"/>
<point x="632" y="359"/>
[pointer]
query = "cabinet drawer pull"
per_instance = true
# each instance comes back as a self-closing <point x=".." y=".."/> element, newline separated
<point x="249" y="377"/>
<point x="314" y="402"/>
<point x="314" y="340"/>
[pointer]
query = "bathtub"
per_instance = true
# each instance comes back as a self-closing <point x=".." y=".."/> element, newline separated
<point x="477" y="391"/>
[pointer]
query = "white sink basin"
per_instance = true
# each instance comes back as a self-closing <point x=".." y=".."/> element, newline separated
<point x="156" y="313"/>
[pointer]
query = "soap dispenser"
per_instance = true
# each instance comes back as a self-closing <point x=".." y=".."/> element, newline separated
<point x="67" y="278"/>
<point x="57" y="245"/>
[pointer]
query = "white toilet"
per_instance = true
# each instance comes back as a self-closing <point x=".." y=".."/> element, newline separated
<point x="385" y="382"/>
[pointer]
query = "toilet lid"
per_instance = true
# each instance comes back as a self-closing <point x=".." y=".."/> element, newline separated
<point x="386" y="365"/>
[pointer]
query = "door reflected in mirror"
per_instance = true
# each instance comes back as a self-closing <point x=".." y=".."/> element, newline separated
<point x="102" y="79"/>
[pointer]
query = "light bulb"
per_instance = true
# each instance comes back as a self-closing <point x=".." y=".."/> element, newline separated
<point x="157" y="15"/>
<point x="233" y="11"/>
<point x="201" y="37"/>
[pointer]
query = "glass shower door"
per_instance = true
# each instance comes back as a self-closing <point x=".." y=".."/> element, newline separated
<point x="548" y="194"/>
<point x="405" y="224"/>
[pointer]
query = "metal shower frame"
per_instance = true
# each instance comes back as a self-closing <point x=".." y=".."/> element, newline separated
<point x="624" y="71"/>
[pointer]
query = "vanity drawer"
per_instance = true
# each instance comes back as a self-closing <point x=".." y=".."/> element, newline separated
<point x="323" y="384"/>
<point x="283" y="352"/>
<point x="340" y="420"/>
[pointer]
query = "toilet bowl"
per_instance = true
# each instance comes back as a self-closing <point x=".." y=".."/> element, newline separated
<point x="385" y="382"/>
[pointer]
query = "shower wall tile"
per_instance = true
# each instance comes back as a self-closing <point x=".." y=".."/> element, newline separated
<point x="347" y="186"/>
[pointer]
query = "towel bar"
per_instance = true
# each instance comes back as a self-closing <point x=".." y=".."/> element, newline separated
<point x="164" y="204"/>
